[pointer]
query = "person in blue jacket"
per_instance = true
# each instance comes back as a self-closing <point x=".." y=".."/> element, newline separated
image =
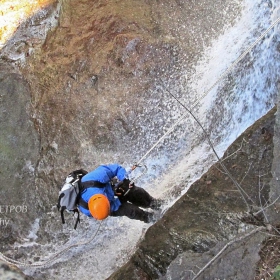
<point x="100" y="198"/>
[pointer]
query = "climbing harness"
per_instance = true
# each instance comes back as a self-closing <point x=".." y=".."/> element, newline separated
<point x="56" y="255"/>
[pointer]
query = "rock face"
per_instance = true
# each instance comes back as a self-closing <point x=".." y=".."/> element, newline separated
<point x="211" y="214"/>
<point x="8" y="272"/>
<point x="19" y="152"/>
<point x="275" y="182"/>
<point x="76" y="81"/>
<point x="21" y="197"/>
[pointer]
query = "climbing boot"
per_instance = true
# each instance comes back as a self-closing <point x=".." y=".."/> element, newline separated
<point x="156" y="203"/>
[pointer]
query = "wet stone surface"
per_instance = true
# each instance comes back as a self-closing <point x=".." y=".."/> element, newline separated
<point x="210" y="215"/>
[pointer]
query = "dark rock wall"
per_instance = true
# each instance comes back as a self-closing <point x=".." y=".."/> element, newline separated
<point x="273" y="212"/>
<point x="210" y="214"/>
<point x="22" y="197"/>
<point x="19" y="153"/>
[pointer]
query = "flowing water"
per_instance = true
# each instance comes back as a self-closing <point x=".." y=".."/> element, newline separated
<point x="242" y="97"/>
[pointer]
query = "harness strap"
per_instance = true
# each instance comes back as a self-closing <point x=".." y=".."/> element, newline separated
<point x="82" y="203"/>
<point x="92" y="184"/>
<point x="78" y="218"/>
<point x="58" y="202"/>
<point x="62" y="215"/>
<point x="85" y="185"/>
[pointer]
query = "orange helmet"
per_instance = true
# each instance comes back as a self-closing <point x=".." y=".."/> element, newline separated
<point x="99" y="206"/>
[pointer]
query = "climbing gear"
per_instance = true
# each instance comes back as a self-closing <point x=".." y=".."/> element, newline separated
<point x="99" y="206"/>
<point x="142" y="173"/>
<point x="123" y="187"/>
<point x="70" y="193"/>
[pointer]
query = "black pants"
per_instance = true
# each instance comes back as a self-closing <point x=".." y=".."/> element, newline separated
<point x="130" y="203"/>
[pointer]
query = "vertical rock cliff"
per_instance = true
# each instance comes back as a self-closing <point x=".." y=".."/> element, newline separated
<point x="89" y="82"/>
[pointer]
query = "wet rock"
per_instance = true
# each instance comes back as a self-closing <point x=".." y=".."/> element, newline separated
<point x="19" y="153"/>
<point x="209" y="216"/>
<point x="8" y="272"/>
<point x="274" y="211"/>
<point x="87" y="91"/>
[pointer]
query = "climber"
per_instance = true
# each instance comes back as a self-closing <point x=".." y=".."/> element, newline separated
<point x="100" y="198"/>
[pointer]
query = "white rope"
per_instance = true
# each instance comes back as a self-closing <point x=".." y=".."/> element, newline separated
<point x="52" y="258"/>
<point x="140" y="175"/>
<point x="206" y="92"/>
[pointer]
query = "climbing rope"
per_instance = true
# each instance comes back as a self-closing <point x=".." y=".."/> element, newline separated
<point x="141" y="174"/>
<point x="237" y="185"/>
<point x="206" y="92"/>
<point x="52" y="258"/>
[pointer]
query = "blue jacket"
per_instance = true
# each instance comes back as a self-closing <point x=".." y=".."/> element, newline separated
<point x="103" y="174"/>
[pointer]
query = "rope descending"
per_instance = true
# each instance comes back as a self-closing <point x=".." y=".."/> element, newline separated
<point x="207" y="91"/>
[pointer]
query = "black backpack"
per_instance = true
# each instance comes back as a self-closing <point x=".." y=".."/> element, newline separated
<point x="70" y="194"/>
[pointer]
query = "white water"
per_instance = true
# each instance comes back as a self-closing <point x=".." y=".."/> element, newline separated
<point x="252" y="95"/>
